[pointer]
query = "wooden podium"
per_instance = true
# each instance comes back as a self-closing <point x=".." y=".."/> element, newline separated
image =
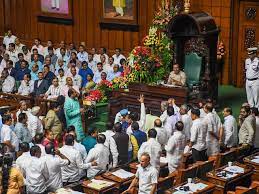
<point x="154" y="95"/>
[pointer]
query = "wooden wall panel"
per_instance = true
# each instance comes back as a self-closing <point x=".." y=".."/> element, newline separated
<point x="221" y="11"/>
<point x="21" y="17"/>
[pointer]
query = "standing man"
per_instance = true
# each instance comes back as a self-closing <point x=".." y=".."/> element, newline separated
<point x="229" y="128"/>
<point x="198" y="137"/>
<point x="248" y="128"/>
<point x="73" y="113"/>
<point x="146" y="177"/>
<point x="252" y="78"/>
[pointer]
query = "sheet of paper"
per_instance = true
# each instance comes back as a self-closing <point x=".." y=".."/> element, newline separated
<point x="257" y="156"/>
<point x="193" y="188"/>
<point x="123" y="174"/>
<point x="99" y="184"/>
<point x="163" y="160"/>
<point x="256" y="160"/>
<point x="234" y="169"/>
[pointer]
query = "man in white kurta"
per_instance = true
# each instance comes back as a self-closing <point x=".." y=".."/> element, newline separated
<point x="187" y="121"/>
<point x="214" y="126"/>
<point x="175" y="147"/>
<point x="153" y="148"/>
<point x="230" y="135"/>
<point x="100" y="153"/>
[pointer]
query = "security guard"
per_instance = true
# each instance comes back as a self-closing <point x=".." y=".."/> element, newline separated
<point x="252" y="77"/>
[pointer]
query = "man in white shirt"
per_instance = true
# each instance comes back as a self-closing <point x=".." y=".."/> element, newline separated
<point x="37" y="45"/>
<point x="214" y="128"/>
<point x="38" y="139"/>
<point x="18" y="45"/>
<point x="230" y="128"/>
<point x="153" y="148"/>
<point x="7" y="82"/>
<point x="108" y="67"/>
<point x="97" y="74"/>
<point x="27" y="85"/>
<point x="54" y="90"/>
<point x="23" y="159"/>
<point x="60" y="65"/>
<point x="62" y="45"/>
<point x="146" y="177"/>
<point x="161" y="133"/>
<point x="36" y="173"/>
<point x="46" y="50"/>
<point x="108" y="134"/>
<point x="69" y="85"/>
<point x="82" y="55"/>
<point x="92" y="63"/>
<point x="54" y="161"/>
<point x="118" y="56"/>
<point x="34" y="123"/>
<point x="102" y="51"/>
<point x="78" y="146"/>
<point x="9" y="38"/>
<point x="199" y="131"/>
<point x="4" y="62"/>
<point x="77" y="79"/>
<point x="171" y="121"/>
<point x="23" y="109"/>
<point x="61" y="78"/>
<point x="100" y="153"/>
<point x="187" y="121"/>
<point x="8" y="137"/>
<point x="175" y="147"/>
<point x="12" y="53"/>
<point x="70" y="173"/>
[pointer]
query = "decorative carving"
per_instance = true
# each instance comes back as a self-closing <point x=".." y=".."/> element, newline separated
<point x="249" y="37"/>
<point x="198" y="46"/>
<point x="250" y="13"/>
<point x="187" y="6"/>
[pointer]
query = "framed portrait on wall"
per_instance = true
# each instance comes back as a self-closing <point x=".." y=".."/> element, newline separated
<point x="119" y="12"/>
<point x="52" y="10"/>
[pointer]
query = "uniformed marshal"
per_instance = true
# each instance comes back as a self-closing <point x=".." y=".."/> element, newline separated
<point x="252" y="77"/>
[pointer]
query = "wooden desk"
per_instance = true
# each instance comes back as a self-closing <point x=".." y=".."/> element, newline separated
<point x="105" y="190"/>
<point x="223" y="184"/>
<point x="122" y="183"/>
<point x="247" y="160"/>
<point x="209" y="189"/>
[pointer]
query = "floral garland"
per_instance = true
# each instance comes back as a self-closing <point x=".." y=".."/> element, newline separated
<point x="221" y="50"/>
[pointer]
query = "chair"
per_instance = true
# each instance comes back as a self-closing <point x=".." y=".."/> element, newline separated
<point x="192" y="69"/>
<point x="242" y="152"/>
<point x="203" y="168"/>
<point x="184" y="174"/>
<point x="224" y="158"/>
<point x="186" y="160"/>
<point x="253" y="189"/>
<point x="165" y="183"/>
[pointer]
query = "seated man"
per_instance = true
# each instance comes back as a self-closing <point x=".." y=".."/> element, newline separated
<point x="7" y="82"/>
<point x="177" y="77"/>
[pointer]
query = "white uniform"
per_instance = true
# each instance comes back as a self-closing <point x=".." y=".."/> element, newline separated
<point x="175" y="149"/>
<point x="187" y="123"/>
<point x="252" y="81"/>
<point x="214" y="124"/>
<point x="153" y="148"/>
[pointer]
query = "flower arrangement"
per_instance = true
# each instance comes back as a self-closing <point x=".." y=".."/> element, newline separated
<point x="221" y="50"/>
<point x="151" y="62"/>
<point x="94" y="95"/>
<point x="164" y="14"/>
<point x="120" y="82"/>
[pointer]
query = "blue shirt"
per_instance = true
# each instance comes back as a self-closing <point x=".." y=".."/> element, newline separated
<point x="84" y="73"/>
<point x="34" y="76"/>
<point x="89" y="143"/>
<point x="39" y="64"/>
<point x="21" y="72"/>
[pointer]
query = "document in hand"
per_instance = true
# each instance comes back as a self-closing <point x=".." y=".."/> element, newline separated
<point x="123" y="174"/>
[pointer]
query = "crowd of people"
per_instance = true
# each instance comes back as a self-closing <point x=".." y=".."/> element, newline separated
<point x="45" y="154"/>
<point x="48" y="72"/>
